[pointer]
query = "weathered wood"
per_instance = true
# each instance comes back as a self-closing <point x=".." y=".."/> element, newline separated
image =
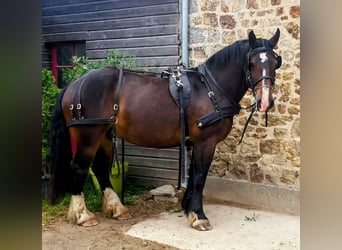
<point x="157" y="166"/>
<point x="111" y="24"/>
<point x="133" y="42"/>
<point x="111" y="14"/>
<point x="158" y="61"/>
<point x="111" y="34"/>
<point x="139" y="52"/>
<point x="148" y="180"/>
<point x="133" y="150"/>
<point x="152" y="162"/>
<point x="156" y="173"/>
<point x="55" y="7"/>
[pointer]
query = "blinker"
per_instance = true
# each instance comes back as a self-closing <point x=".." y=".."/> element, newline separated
<point x="279" y="62"/>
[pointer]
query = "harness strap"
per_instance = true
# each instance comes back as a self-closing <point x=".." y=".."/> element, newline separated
<point x="94" y="121"/>
<point x="77" y="95"/>
<point x="215" y="116"/>
<point x="182" y="181"/>
<point x="219" y="113"/>
<point x="117" y="94"/>
<point x="183" y="171"/>
<point x="114" y="135"/>
<point x="211" y="93"/>
<point x="203" y="69"/>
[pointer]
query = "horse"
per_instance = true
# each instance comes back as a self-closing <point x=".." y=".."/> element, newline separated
<point x="141" y="110"/>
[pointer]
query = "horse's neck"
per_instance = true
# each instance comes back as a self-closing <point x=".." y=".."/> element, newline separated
<point x="232" y="80"/>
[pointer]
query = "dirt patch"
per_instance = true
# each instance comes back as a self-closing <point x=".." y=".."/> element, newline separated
<point x="157" y="225"/>
<point x="109" y="233"/>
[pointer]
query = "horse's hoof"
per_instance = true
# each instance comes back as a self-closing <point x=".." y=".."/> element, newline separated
<point x="79" y="214"/>
<point x="122" y="213"/>
<point x="112" y="206"/>
<point x="89" y="223"/>
<point x="199" y="224"/>
<point x="125" y="216"/>
<point x="204" y="226"/>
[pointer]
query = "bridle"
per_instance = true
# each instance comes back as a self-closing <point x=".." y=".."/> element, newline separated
<point x="253" y="83"/>
<point x="249" y="79"/>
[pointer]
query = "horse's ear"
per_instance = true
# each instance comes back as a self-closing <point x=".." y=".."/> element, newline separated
<point x="274" y="39"/>
<point x="252" y="40"/>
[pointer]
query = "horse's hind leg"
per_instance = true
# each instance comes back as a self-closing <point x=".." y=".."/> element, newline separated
<point x="192" y="202"/>
<point x="112" y="205"/>
<point x="86" y="149"/>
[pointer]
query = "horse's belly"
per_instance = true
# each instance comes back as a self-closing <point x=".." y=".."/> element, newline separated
<point x="151" y="127"/>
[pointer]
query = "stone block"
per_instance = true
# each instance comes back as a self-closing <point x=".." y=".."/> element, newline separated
<point x="165" y="190"/>
<point x="256" y="174"/>
<point x="227" y="21"/>
<point x="210" y="19"/>
<point x="209" y="5"/>
<point x="252" y="4"/>
<point x="275" y="2"/>
<point x="165" y="198"/>
<point x="271" y="146"/>
<point x="295" y="11"/>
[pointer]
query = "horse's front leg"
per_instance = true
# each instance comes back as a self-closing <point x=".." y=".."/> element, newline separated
<point x="192" y="202"/>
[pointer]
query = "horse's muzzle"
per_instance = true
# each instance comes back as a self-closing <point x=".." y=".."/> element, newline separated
<point x="264" y="108"/>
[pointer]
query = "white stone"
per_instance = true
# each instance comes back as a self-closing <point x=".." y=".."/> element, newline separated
<point x="165" y="190"/>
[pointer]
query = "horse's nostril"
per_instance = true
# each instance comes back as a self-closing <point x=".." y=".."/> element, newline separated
<point x="258" y="104"/>
<point x="271" y="104"/>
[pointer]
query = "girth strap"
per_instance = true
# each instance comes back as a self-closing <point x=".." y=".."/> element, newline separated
<point x="180" y="90"/>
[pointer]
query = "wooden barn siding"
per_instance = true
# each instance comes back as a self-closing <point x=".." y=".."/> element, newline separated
<point x="146" y="29"/>
<point x="156" y="166"/>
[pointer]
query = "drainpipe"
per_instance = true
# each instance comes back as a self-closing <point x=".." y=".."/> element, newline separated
<point x="185" y="32"/>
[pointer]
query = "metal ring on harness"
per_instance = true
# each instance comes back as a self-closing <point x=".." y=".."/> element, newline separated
<point x="116" y="120"/>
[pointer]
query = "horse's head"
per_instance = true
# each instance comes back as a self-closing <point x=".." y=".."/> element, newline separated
<point x="262" y="63"/>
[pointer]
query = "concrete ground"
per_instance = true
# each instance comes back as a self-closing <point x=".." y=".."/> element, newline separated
<point x="233" y="228"/>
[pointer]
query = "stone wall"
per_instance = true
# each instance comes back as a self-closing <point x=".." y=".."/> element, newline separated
<point x="269" y="155"/>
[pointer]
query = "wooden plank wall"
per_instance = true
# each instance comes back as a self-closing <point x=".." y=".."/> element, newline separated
<point x="146" y="29"/>
<point x="150" y="165"/>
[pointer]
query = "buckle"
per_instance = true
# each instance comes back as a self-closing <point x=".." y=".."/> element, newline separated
<point x="211" y="94"/>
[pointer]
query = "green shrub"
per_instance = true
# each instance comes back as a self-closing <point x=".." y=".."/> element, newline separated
<point x="82" y="65"/>
<point x="49" y="95"/>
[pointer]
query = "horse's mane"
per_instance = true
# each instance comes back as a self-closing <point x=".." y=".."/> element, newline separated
<point x="233" y="52"/>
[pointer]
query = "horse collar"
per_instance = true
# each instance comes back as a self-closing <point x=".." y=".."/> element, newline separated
<point x="209" y="79"/>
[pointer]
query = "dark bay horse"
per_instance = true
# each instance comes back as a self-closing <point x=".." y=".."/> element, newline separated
<point x="145" y="114"/>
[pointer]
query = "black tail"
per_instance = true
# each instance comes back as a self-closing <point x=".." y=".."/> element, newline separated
<point x="60" y="153"/>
